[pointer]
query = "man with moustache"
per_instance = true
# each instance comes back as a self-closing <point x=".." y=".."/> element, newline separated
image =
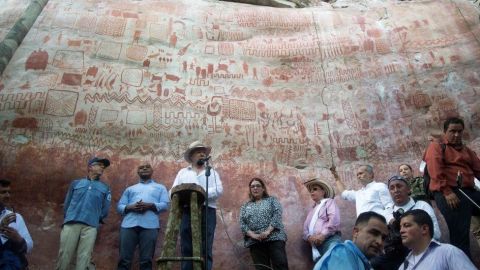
<point x="86" y="206"/>
<point x="395" y="252"/>
<point x="369" y="232"/>
<point x="15" y="240"/>
<point x="416" y="228"/>
<point x="196" y="154"/>
<point x="373" y="196"/>
<point x="140" y="206"/>
<point x="447" y="159"/>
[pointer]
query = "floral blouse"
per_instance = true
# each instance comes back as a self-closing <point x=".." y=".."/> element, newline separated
<point x="257" y="216"/>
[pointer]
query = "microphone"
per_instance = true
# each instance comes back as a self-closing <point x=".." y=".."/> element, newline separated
<point x="202" y="161"/>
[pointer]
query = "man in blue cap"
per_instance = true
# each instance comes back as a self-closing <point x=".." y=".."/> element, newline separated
<point x="86" y="205"/>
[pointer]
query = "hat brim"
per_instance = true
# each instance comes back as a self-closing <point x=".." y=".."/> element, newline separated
<point x="188" y="154"/>
<point x="104" y="161"/>
<point x="329" y="191"/>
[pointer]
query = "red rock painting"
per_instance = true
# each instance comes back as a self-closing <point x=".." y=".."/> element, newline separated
<point x="338" y="83"/>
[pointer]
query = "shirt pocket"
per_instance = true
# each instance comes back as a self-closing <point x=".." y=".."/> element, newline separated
<point x="99" y="192"/>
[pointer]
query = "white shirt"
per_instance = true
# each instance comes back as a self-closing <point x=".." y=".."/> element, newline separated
<point x="19" y="226"/>
<point x="411" y="205"/>
<point x="189" y="176"/>
<point x="373" y="197"/>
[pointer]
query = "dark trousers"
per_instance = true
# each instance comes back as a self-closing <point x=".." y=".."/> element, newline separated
<point x="458" y="219"/>
<point x="186" y="236"/>
<point x="268" y="255"/>
<point x="129" y="239"/>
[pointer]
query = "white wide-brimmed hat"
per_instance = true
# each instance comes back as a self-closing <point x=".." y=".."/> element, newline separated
<point x="329" y="191"/>
<point x="194" y="146"/>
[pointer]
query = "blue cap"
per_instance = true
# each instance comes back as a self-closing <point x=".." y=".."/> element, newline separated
<point x="105" y="161"/>
<point x="397" y="178"/>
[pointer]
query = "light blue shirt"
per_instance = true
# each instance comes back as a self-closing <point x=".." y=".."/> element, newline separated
<point x="343" y="256"/>
<point x="439" y="257"/>
<point x="149" y="192"/>
<point x="87" y="202"/>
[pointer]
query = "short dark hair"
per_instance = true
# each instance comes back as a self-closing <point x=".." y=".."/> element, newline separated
<point x="452" y="120"/>
<point x="365" y="217"/>
<point x="5" y="182"/>
<point x="421" y="218"/>
<point x="265" y="192"/>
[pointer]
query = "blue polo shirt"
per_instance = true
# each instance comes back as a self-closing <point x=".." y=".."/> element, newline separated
<point x="87" y="202"/>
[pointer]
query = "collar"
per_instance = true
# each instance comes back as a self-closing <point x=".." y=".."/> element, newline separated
<point x="146" y="181"/>
<point x="409" y="205"/>
<point x="359" y="253"/>
<point x="445" y="141"/>
<point x="370" y="184"/>
<point x="433" y="244"/>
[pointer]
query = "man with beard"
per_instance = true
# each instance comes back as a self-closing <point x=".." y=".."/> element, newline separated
<point x="369" y="232"/>
<point x="196" y="154"/>
<point x="140" y="206"/>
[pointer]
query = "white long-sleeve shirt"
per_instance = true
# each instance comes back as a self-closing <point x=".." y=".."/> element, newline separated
<point x="372" y="197"/>
<point x="19" y="226"/>
<point x="189" y="176"/>
<point x="411" y="205"/>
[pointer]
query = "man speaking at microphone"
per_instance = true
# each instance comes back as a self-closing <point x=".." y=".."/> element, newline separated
<point x="197" y="155"/>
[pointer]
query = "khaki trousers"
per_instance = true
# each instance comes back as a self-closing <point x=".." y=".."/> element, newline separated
<point x="76" y="240"/>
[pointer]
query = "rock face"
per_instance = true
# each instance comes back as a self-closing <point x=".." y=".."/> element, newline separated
<point x="334" y="84"/>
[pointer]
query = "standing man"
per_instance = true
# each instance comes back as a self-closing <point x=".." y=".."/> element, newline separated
<point x="395" y="252"/>
<point x="373" y="196"/>
<point x="446" y="159"/>
<point x="86" y="205"/>
<point x="426" y="253"/>
<point x="195" y="173"/>
<point x="368" y="235"/>
<point x="140" y="206"/>
<point x="15" y="240"/>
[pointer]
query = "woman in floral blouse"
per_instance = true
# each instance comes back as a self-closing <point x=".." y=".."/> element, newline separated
<point x="262" y="227"/>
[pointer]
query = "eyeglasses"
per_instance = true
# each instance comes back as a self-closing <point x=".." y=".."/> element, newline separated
<point x="256" y="186"/>
<point x="144" y="167"/>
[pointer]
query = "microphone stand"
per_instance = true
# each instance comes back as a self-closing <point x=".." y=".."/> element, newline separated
<point x="207" y="174"/>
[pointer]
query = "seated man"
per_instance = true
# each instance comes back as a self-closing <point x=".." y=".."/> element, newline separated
<point x="395" y="252"/>
<point x="368" y="235"/>
<point x="15" y="240"/>
<point x="416" y="228"/>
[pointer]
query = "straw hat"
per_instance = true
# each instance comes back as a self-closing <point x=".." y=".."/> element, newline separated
<point x="329" y="192"/>
<point x="194" y="146"/>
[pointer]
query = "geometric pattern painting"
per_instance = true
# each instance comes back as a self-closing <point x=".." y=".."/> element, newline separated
<point x="61" y="103"/>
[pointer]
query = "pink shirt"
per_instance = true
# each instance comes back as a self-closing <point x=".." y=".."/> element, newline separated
<point x="328" y="221"/>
